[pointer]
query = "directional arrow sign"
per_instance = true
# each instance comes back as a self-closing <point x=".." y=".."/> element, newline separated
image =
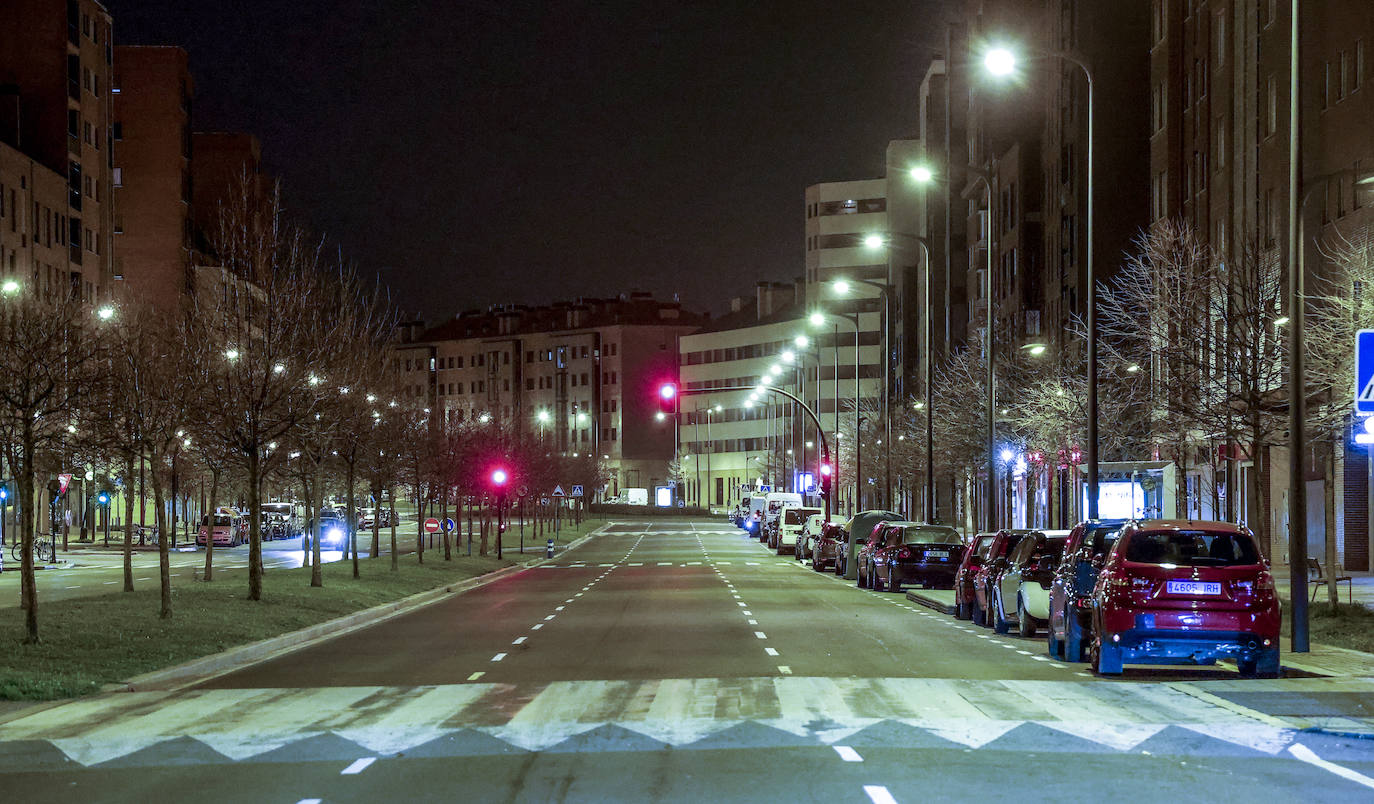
<point x="1364" y="371"/>
<point x="577" y="491"/>
<point x="431" y="525"/>
<point x="558" y="491"/>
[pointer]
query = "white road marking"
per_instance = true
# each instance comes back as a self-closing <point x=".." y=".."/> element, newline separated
<point x="579" y="594"/>
<point x="878" y="794"/>
<point x="737" y="603"/>
<point x="665" y="563"/>
<point x="1057" y="664"/>
<point x="760" y="635"/>
<point x="559" y="608"/>
<point x="536" y="626"/>
<point x="477" y="675"/>
<point x="1013" y="647"/>
<point x="771" y="651"/>
<point x="753" y="622"/>
<point x="1040" y="658"/>
<point x="1305" y="754"/>
<point x="569" y="600"/>
<point x="784" y="669"/>
<point x="310" y="801"/>
<point x="634" y="564"/>
<point x="1085" y="675"/>
<point x="73" y="587"/>
<point x="498" y="657"/>
<point x="519" y="640"/>
<point x="847" y="754"/>
<point x="358" y="766"/>
<point x="107" y="583"/>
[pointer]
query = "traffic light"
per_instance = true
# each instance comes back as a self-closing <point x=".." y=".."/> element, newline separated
<point x="103" y="497"/>
<point x="499" y="478"/>
<point x="4" y="493"/>
<point x="667" y="398"/>
<point x="827" y="475"/>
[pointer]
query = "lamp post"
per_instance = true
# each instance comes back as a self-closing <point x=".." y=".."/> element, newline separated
<point x="1001" y="62"/>
<point x="924" y="176"/>
<point x="818" y="319"/>
<point x="884" y="288"/>
<point x="989" y="355"/>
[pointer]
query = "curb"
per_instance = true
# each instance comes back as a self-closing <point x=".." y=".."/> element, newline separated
<point x="196" y="671"/>
<point x="930" y="602"/>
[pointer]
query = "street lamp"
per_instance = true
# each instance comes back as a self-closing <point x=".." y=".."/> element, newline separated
<point x="105" y="312"/>
<point x="817" y="319"/>
<point x="1001" y="62"/>
<point x="9" y="287"/>
<point x="842" y="287"/>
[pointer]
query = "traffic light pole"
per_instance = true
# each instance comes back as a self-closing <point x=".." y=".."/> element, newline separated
<point x="825" y="444"/>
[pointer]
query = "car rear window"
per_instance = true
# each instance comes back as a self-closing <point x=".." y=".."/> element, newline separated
<point x="930" y="536"/>
<point x="220" y="521"/>
<point x="1192" y="547"/>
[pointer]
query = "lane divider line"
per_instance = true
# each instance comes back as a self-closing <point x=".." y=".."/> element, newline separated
<point x="784" y="669"/>
<point x="536" y="626"/>
<point x="519" y="640"/>
<point x="771" y="651"/>
<point x="760" y="635"/>
<point x="878" y="794"/>
<point x="1305" y="754"/>
<point x="358" y="766"/>
<point x="498" y="657"/>
<point x="847" y="754"/>
<point x="477" y="675"/>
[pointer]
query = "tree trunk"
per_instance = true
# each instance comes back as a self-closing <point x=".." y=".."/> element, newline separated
<point x="352" y="515"/>
<point x="448" y="540"/>
<point x="129" y="523"/>
<point x="316" y="569"/>
<point x="29" y="590"/>
<point x="482" y="547"/>
<point x="163" y="539"/>
<point x="254" y="524"/>
<point x="395" y="559"/>
<point x="419" y="526"/>
<point x="376" y="520"/>
<point x="210" y="529"/>
<point x="1329" y="488"/>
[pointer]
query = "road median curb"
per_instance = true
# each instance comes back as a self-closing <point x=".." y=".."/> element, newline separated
<point x="205" y="668"/>
<point x="929" y="602"/>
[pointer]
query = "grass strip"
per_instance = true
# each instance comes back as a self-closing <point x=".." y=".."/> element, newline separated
<point x="92" y="641"/>
<point x="1350" y="626"/>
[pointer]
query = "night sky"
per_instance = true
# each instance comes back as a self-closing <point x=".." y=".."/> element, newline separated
<point x="473" y="152"/>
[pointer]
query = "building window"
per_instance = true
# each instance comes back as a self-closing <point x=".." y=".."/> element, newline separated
<point x="1358" y="77"/>
<point x="118" y="177"/>
<point x="1271" y="106"/>
<point x="529" y="384"/>
<point x="1160" y="14"/>
<point x="1343" y="88"/>
<point x="1219" y="28"/>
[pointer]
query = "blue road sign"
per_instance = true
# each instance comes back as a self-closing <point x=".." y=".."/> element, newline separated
<point x="450" y="525"/>
<point x="1364" y="371"/>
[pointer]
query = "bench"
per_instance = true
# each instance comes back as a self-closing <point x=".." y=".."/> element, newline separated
<point x="1316" y="577"/>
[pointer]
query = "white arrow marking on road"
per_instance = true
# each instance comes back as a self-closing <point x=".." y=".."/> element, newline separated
<point x="498" y="657"/>
<point x="847" y="754"/>
<point x="1305" y="754"/>
<point x="358" y="766"/>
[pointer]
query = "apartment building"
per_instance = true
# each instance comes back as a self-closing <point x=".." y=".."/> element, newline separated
<point x="152" y="173"/>
<point x="581" y="376"/>
<point x="227" y="165"/>
<point x="55" y="109"/>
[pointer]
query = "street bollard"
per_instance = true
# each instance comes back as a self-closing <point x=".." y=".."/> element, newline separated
<point x="548" y="550"/>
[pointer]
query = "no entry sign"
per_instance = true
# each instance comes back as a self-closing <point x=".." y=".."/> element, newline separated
<point x="431" y="525"/>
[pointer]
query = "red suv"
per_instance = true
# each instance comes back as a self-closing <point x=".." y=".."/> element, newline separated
<point x="1185" y="592"/>
<point x="974" y="556"/>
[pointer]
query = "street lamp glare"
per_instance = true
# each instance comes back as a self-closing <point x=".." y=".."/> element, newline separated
<point x="1037" y="350"/>
<point x="801" y="341"/>
<point x="232" y="354"/>
<point x="660" y="416"/>
<point x="789" y="356"/>
<point x="1000" y="61"/>
<point x="105" y="313"/>
<point x="1007" y="455"/>
<point x="10" y="287"/>
<point x="841" y="287"/>
<point x="922" y="174"/>
<point x="718" y="408"/>
<point x="874" y="241"/>
<point x="817" y="319"/>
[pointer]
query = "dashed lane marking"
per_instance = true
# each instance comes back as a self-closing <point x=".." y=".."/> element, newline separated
<point x="536" y="626"/>
<point x="760" y="635"/>
<point x="771" y="651"/>
<point x="878" y="794"/>
<point x="358" y="766"/>
<point x="753" y="622"/>
<point x="847" y="754"/>
<point x="498" y="657"/>
<point x="737" y="603"/>
<point x="519" y="640"/>
<point x="784" y="669"/>
<point x="559" y="608"/>
<point x="477" y="675"/>
<point x="550" y="617"/>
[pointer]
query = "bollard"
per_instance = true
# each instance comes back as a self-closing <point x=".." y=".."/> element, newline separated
<point x="548" y="550"/>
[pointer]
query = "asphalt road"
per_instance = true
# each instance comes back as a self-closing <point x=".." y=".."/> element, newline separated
<point x="668" y="662"/>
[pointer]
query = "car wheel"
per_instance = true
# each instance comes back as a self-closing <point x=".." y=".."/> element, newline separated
<point x="839" y="565"/>
<point x="1264" y="664"/>
<point x="894" y="584"/>
<point x="961" y="611"/>
<point x="875" y="581"/>
<point x="1025" y="624"/>
<point x="859" y="579"/>
<point x="1053" y="646"/>
<point x="1000" y="624"/>
<point x="976" y="613"/>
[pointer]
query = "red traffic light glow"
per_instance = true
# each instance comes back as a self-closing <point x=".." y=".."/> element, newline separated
<point x="825" y="469"/>
<point x="499" y="477"/>
<point x="668" y="391"/>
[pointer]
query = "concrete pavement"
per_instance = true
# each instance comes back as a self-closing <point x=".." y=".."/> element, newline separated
<point x="671" y="661"/>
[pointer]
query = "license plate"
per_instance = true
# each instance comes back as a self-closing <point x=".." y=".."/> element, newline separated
<point x="941" y="554"/>
<point x="1194" y="588"/>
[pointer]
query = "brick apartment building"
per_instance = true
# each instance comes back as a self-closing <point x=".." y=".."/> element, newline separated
<point x="581" y="376"/>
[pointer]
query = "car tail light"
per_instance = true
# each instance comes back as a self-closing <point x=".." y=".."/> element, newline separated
<point x="903" y="554"/>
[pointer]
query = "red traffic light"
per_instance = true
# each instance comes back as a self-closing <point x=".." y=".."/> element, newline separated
<point x="825" y="470"/>
<point x="499" y="477"/>
<point x="668" y="391"/>
<point x="667" y="398"/>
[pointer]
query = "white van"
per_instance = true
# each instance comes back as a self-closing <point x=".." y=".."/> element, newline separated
<point x="774" y="503"/>
<point x="790" y="525"/>
<point x="751" y="513"/>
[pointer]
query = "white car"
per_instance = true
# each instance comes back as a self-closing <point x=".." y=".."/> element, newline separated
<point x="809" y="533"/>
<point x="790" y="523"/>
<point x="1023" y="592"/>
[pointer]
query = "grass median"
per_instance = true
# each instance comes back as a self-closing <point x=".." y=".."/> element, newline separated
<point x="92" y="641"/>
<point x="1350" y="626"/>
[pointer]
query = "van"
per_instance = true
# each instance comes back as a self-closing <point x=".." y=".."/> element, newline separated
<point x="751" y="513"/>
<point x="790" y="523"/>
<point x="773" y="509"/>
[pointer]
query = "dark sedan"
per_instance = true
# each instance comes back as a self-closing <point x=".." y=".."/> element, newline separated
<point x="915" y="553"/>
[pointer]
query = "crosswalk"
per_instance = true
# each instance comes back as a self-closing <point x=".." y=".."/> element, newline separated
<point x="226" y="725"/>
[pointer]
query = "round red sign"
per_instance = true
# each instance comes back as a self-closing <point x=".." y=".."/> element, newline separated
<point x="431" y="525"/>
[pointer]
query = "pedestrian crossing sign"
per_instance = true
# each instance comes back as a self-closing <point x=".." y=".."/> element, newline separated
<point x="577" y="491"/>
<point x="1364" y="371"/>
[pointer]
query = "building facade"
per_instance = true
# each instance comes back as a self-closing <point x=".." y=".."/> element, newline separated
<point x="582" y="377"/>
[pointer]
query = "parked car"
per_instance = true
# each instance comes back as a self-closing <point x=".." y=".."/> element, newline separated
<point x="986" y="577"/>
<point x="914" y="553"/>
<point x="1072" y="586"/>
<point x="1023" y="590"/>
<point x="1182" y="591"/>
<point x="225" y="526"/>
<point x="281" y="519"/>
<point x="875" y="541"/>
<point x="367" y="516"/>
<point x="790" y="522"/>
<point x="856" y="531"/>
<point x="829" y="546"/>
<point x="772" y="513"/>
<point x="810" y="532"/>
<point x="975" y="553"/>
<point x="333" y="529"/>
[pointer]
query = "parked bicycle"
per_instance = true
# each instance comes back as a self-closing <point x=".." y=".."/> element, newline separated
<point x="146" y="534"/>
<point x="44" y="550"/>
